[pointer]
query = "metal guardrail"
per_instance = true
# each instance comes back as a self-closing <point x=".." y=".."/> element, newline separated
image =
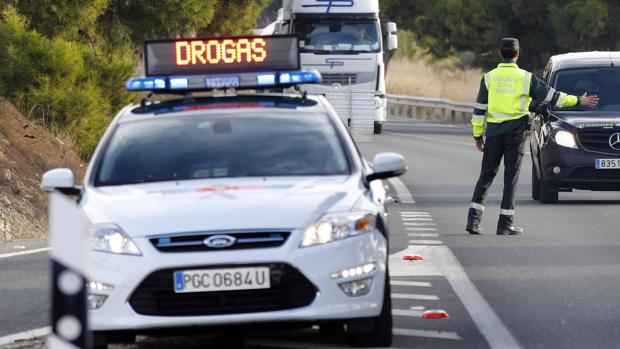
<point x="430" y="109"/>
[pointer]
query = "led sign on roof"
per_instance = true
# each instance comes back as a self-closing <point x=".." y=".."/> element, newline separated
<point x="221" y="55"/>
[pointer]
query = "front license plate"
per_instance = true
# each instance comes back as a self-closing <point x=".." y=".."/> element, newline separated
<point x="229" y="279"/>
<point x="607" y="164"/>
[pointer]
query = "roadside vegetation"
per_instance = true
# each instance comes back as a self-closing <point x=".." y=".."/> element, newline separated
<point x="64" y="63"/>
<point x="413" y="72"/>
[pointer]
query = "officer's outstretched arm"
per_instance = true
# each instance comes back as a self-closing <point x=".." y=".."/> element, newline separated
<point x="480" y="110"/>
<point x="543" y="93"/>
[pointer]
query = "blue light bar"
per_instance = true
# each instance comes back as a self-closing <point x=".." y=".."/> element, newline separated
<point x="210" y="82"/>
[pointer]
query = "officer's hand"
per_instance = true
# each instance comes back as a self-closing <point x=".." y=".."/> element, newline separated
<point x="480" y="144"/>
<point x="588" y="101"/>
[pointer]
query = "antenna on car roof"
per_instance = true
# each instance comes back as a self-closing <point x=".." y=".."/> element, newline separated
<point x="146" y="99"/>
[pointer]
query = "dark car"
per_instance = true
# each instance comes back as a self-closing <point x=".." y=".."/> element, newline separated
<point x="578" y="147"/>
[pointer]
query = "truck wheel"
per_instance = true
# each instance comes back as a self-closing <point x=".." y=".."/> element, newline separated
<point x="379" y="333"/>
<point x="547" y="194"/>
<point x="535" y="184"/>
<point x="378" y="128"/>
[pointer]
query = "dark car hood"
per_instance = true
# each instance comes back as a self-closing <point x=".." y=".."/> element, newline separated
<point x="588" y="119"/>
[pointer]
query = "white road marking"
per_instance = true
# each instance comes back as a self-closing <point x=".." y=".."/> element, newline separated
<point x="421" y="224"/>
<point x="420" y="229"/>
<point x="426" y="242"/>
<point x="404" y="195"/>
<point x="21" y="253"/>
<point x="418" y="307"/>
<point x="436" y="139"/>
<point x="422" y="297"/>
<point x="411" y="313"/>
<point x="423" y="235"/>
<point x="418" y="219"/>
<point x="408" y="215"/>
<point x="415" y="218"/>
<point x="26" y="335"/>
<point x="413" y="212"/>
<point x="410" y="283"/>
<point x="426" y="334"/>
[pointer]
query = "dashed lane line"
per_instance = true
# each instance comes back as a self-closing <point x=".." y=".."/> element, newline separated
<point x="426" y="334"/>
<point x="423" y="235"/>
<point x="410" y="283"/>
<point x="420" y="229"/>
<point x="409" y="313"/>
<point x="421" y="297"/>
<point x="426" y="242"/>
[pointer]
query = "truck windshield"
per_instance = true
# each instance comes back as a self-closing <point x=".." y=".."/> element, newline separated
<point x="226" y="145"/>
<point x="603" y="81"/>
<point x="338" y="36"/>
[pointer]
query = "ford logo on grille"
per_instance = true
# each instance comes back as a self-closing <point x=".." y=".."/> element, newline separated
<point x="219" y="241"/>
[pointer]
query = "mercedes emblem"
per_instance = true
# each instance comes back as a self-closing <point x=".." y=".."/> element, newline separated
<point x="614" y="141"/>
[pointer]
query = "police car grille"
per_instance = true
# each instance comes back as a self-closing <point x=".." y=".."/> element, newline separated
<point x="155" y="296"/>
<point x="597" y="141"/>
<point x="195" y="242"/>
<point x="342" y="79"/>
<point x="591" y="173"/>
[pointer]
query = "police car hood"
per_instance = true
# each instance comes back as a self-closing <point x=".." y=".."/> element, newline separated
<point x="226" y="204"/>
<point x="588" y="118"/>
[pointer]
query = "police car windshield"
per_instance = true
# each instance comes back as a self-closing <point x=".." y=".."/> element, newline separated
<point x="337" y="36"/>
<point x="603" y="81"/>
<point x="225" y="145"/>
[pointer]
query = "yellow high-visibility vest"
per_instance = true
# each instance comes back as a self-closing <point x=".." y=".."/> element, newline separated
<point x="509" y="92"/>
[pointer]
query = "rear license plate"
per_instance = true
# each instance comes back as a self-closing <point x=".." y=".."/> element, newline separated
<point x="229" y="279"/>
<point x="607" y="164"/>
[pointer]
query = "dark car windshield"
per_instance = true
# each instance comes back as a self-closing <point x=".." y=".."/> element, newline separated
<point x="331" y="36"/>
<point x="603" y="81"/>
<point x="216" y="146"/>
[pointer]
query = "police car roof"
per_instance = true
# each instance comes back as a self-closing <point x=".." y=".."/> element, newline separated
<point x="222" y="103"/>
<point x="586" y="59"/>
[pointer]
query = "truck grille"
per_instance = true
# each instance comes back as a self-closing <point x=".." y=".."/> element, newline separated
<point x="597" y="141"/>
<point x="195" y="242"/>
<point x="591" y="173"/>
<point x="342" y="79"/>
<point x="156" y="297"/>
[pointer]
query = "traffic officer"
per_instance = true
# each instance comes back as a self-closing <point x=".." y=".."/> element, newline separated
<point x="502" y="103"/>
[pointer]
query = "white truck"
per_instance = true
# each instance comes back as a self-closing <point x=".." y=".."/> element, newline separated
<point x="343" y="40"/>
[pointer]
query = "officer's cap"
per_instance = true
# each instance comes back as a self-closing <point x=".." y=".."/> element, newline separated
<point x="509" y="44"/>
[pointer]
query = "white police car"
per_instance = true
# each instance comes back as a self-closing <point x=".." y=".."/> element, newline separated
<point x="234" y="209"/>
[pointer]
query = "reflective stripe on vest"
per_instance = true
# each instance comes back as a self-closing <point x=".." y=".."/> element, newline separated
<point x="509" y="92"/>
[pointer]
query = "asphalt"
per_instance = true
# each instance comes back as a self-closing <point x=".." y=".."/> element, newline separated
<point x="557" y="286"/>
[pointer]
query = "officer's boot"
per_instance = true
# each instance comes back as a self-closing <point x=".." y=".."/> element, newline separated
<point x="474" y="216"/>
<point x="505" y="224"/>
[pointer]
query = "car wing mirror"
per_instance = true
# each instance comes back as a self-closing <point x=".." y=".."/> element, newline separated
<point x="386" y="165"/>
<point x="60" y="179"/>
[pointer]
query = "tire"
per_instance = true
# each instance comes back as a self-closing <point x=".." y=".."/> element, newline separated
<point x="535" y="184"/>
<point x="378" y="128"/>
<point x="547" y="194"/>
<point x="380" y="329"/>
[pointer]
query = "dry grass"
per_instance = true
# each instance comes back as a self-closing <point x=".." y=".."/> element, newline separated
<point x="419" y="77"/>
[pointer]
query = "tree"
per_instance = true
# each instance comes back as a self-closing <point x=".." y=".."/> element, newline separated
<point x="544" y="27"/>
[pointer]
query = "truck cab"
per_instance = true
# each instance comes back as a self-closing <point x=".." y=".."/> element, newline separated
<point x="345" y="42"/>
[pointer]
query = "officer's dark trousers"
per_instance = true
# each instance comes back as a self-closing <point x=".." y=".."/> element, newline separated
<point x="510" y="146"/>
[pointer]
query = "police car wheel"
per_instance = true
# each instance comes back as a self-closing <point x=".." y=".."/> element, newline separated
<point x="378" y="330"/>
<point x="547" y="194"/>
<point x="378" y="128"/>
<point x="535" y="184"/>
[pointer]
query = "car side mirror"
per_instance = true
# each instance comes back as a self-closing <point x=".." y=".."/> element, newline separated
<point x="386" y="165"/>
<point x="60" y="179"/>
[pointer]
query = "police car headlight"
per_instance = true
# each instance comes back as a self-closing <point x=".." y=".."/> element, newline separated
<point x="112" y="239"/>
<point x="337" y="226"/>
<point x="565" y="139"/>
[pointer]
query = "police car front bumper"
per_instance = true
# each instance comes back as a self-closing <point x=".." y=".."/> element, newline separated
<point x="316" y="264"/>
<point x="568" y="168"/>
